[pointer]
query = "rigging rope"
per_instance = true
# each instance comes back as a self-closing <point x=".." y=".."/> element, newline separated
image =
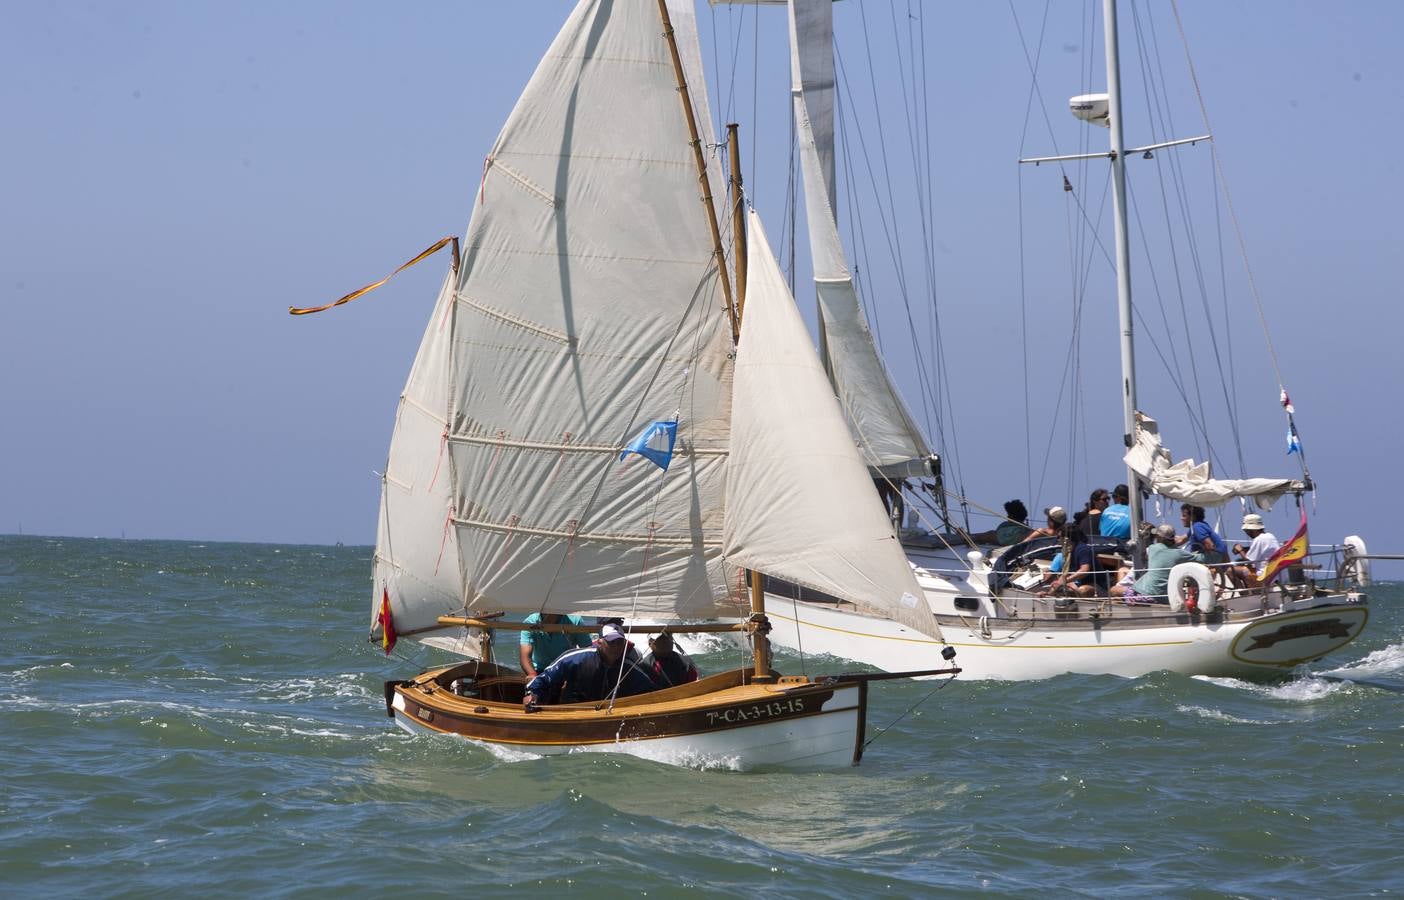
<point x="1238" y="233"/>
<point x="884" y="729"/>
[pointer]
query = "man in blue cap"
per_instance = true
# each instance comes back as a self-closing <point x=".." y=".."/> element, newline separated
<point x="608" y="669"/>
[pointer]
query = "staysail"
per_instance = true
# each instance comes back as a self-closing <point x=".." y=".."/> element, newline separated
<point x="1189" y="482"/>
<point x="879" y="421"/>
<point x="793" y="466"/>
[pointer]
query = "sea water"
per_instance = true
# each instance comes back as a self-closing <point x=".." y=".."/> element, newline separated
<point x="187" y="719"/>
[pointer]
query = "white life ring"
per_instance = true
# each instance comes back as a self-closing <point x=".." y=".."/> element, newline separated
<point x="1197" y="573"/>
<point x="1354" y="560"/>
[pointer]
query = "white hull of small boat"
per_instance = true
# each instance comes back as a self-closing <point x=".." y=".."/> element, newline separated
<point x="1021" y="650"/>
<point x="827" y="739"/>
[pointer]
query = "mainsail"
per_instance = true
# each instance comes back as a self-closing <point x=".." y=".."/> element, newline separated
<point x="586" y="307"/>
<point x="794" y="467"/>
<point x="882" y="427"/>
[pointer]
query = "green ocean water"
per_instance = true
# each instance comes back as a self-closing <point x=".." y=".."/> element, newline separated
<point x="185" y="719"/>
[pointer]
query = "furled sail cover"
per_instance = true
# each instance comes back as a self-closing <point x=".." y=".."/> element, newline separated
<point x="890" y="439"/>
<point x="414" y="563"/>
<point x="589" y="308"/>
<point x="800" y="504"/>
<point x="1189" y="482"/>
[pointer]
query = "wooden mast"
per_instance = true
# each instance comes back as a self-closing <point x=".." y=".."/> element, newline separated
<point x="738" y="216"/>
<point x="702" y="178"/>
<point x="760" y="644"/>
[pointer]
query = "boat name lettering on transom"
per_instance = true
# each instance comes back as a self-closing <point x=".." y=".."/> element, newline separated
<point x="755" y="711"/>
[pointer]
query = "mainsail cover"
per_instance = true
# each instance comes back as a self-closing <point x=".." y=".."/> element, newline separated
<point x="1190" y="482"/>
<point x="588" y="308"/>
<point x="800" y="503"/>
<point x="881" y="426"/>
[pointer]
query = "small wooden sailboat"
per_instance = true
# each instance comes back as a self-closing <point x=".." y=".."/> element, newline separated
<point x="593" y="426"/>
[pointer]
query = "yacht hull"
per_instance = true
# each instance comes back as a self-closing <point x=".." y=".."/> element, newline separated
<point x="1023" y="649"/>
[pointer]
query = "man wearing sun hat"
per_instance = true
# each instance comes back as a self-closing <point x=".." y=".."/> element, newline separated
<point x="609" y="668"/>
<point x="1264" y="544"/>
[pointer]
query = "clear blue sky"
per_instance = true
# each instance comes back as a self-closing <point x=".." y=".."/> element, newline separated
<point x="177" y="174"/>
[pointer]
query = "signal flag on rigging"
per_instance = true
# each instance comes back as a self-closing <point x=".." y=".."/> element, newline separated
<point x="655" y="444"/>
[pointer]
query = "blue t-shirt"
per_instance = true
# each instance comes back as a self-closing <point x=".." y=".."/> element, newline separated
<point x="547" y="645"/>
<point x="1116" y="521"/>
<point x="1204" y="539"/>
<point x="1084" y="555"/>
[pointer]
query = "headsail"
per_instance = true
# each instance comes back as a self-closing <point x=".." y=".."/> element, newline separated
<point x="800" y="504"/>
<point x="1189" y="482"/>
<point x="889" y="437"/>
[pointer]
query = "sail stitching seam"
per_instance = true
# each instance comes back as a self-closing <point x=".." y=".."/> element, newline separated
<point x="523" y="182"/>
<point x="576" y="535"/>
<point x="409" y="401"/>
<point x="570" y="447"/>
<point x="597" y="157"/>
<point x="524" y="324"/>
<point x="609" y="257"/>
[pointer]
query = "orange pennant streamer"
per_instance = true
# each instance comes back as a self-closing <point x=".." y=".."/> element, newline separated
<point x="451" y="239"/>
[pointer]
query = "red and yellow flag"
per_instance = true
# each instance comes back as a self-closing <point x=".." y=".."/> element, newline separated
<point x="1294" y="550"/>
<point x="387" y="623"/>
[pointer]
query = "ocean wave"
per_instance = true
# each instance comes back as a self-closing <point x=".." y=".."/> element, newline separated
<point x="1385" y="661"/>
<point x="1304" y="689"/>
<point x="1205" y="712"/>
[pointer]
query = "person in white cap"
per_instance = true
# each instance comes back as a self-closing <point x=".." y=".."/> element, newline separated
<point x="1057" y="518"/>
<point x="610" y="668"/>
<point x="1264" y="544"/>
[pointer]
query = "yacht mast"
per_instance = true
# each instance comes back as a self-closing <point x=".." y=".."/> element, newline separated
<point x="1123" y="255"/>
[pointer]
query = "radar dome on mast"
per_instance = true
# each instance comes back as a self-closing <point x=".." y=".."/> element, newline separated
<point x="1091" y="108"/>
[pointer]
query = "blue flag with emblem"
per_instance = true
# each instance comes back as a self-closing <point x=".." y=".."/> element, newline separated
<point x="655" y="443"/>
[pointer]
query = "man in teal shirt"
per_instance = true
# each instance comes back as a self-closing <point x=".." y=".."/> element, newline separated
<point x="540" y="648"/>
<point x="1161" y="556"/>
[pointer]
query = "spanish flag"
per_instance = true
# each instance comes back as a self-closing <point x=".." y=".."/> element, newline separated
<point x="1290" y="552"/>
<point x="387" y="623"/>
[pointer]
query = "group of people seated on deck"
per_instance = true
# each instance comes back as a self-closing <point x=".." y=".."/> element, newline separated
<point x="1107" y="513"/>
<point x="1080" y="571"/>
<point x="572" y="668"/>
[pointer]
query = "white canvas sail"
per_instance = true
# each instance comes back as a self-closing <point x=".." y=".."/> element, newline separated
<point x="415" y="562"/>
<point x="800" y="504"/>
<point x="588" y="309"/>
<point x="1190" y="482"/>
<point x="890" y="439"/>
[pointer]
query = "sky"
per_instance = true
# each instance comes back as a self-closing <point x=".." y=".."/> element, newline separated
<point x="176" y="175"/>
